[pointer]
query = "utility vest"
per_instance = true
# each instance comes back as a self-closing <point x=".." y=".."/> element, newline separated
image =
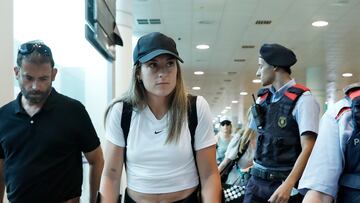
<point x="349" y="182"/>
<point x="278" y="142"/>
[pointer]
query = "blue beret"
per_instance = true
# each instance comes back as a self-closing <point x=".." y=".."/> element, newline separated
<point x="277" y="55"/>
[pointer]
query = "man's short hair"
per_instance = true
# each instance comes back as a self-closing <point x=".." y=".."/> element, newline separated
<point x="35" y="52"/>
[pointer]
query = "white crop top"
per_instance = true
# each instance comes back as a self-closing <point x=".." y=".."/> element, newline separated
<point x="153" y="166"/>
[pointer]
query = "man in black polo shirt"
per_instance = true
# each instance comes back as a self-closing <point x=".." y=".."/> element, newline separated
<point x="42" y="136"/>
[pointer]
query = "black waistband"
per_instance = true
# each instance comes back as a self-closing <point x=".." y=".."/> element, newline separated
<point x="192" y="198"/>
<point x="269" y="175"/>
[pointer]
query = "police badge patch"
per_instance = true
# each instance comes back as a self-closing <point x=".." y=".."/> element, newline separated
<point x="282" y="122"/>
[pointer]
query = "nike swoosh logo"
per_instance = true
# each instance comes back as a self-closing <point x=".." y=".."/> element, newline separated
<point x="157" y="132"/>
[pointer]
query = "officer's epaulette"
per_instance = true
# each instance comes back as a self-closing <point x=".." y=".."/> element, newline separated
<point x="351" y="88"/>
<point x="263" y="94"/>
<point x="353" y="93"/>
<point x="295" y="91"/>
<point x="342" y="111"/>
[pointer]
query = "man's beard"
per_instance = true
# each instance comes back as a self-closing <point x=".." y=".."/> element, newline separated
<point x="35" y="97"/>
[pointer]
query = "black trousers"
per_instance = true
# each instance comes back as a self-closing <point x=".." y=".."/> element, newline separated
<point x="259" y="191"/>
<point x="348" y="195"/>
<point x="192" y="198"/>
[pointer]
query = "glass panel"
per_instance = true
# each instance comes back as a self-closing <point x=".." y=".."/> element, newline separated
<point x="83" y="73"/>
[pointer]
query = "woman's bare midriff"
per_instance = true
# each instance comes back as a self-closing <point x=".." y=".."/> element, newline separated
<point x="160" y="198"/>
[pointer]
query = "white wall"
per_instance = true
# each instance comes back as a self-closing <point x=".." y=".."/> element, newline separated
<point x="6" y="51"/>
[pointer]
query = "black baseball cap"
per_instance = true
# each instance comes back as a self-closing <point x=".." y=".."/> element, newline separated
<point x="225" y="122"/>
<point x="277" y="55"/>
<point x="153" y="45"/>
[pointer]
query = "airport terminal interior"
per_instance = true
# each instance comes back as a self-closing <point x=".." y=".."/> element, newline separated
<point x="219" y="41"/>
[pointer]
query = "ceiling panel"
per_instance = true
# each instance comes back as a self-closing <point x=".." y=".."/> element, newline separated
<point x="227" y="25"/>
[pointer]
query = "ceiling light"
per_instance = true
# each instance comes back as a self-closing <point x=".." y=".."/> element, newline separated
<point x="263" y="22"/>
<point x="320" y="23"/>
<point x="347" y="75"/>
<point x="196" y="88"/>
<point x="202" y="46"/>
<point x="235" y="102"/>
<point x="199" y="73"/>
<point x="243" y="93"/>
<point x="228" y="107"/>
<point x="248" y="46"/>
<point x="256" y="81"/>
<point x="206" y="22"/>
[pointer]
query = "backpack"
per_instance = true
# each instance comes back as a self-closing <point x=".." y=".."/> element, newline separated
<point x="192" y="122"/>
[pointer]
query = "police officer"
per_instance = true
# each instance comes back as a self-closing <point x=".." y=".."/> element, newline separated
<point x="287" y="118"/>
<point x="334" y="166"/>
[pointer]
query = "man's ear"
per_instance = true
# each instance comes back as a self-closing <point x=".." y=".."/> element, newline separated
<point x="53" y="74"/>
<point x="17" y="72"/>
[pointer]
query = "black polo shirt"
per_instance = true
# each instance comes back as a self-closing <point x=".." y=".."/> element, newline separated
<point x="42" y="154"/>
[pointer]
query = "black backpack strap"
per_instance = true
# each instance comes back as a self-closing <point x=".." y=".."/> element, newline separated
<point x="125" y="123"/>
<point x="192" y="120"/>
<point x="192" y="116"/>
<point x="192" y="123"/>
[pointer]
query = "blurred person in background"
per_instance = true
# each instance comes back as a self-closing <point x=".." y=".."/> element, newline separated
<point x="333" y="169"/>
<point x="223" y="138"/>
<point x="241" y="148"/>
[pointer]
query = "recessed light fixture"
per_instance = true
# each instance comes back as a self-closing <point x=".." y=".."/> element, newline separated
<point x="206" y="22"/>
<point x="243" y="93"/>
<point x="256" y="81"/>
<point x="239" y="60"/>
<point x="248" y="46"/>
<point x="320" y="23"/>
<point x="347" y="75"/>
<point x="199" y="73"/>
<point x="235" y="101"/>
<point x="202" y="46"/>
<point x="228" y="107"/>
<point x="196" y="88"/>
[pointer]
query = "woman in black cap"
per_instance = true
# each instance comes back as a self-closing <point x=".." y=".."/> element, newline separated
<point x="166" y="157"/>
<point x="223" y="139"/>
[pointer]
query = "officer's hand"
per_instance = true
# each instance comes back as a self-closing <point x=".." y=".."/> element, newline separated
<point x="282" y="194"/>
